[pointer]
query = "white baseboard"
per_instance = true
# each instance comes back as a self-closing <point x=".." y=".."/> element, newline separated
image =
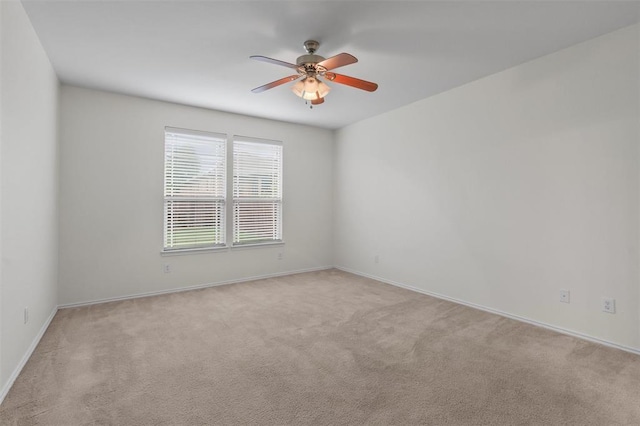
<point x="27" y="355"/>
<point x="193" y="287"/>
<point x="497" y="312"/>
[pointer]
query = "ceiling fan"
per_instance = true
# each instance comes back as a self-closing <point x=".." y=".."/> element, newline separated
<point x="310" y="68"/>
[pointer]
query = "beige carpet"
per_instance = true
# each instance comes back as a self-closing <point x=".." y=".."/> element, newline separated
<point x="317" y="348"/>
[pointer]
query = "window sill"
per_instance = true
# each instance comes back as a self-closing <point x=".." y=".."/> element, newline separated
<point x="182" y="252"/>
<point x="257" y="245"/>
<point x="179" y="252"/>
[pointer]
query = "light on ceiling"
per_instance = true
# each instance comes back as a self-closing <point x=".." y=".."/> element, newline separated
<point x="310" y="88"/>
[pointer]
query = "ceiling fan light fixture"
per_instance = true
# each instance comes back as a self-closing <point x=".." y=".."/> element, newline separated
<point x="310" y="88"/>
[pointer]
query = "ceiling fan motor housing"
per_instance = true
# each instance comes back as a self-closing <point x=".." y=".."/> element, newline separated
<point x="309" y="59"/>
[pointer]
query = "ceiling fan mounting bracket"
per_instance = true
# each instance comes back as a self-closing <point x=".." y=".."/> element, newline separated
<point x="311" y="46"/>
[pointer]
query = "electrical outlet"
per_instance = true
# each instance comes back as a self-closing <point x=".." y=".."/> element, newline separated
<point x="26" y="314"/>
<point x="565" y="296"/>
<point x="609" y="306"/>
<point x="280" y="256"/>
<point x="376" y="259"/>
<point x="166" y="268"/>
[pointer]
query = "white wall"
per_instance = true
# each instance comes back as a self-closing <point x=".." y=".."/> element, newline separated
<point x="29" y="189"/>
<point x="2" y="381"/>
<point x="111" y="201"/>
<point x="505" y="190"/>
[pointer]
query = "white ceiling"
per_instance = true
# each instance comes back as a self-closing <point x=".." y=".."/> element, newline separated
<point x="197" y="53"/>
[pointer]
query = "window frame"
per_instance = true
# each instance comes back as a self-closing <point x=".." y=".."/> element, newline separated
<point x="228" y="200"/>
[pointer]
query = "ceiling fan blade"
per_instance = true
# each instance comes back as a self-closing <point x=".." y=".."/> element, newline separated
<point x="274" y="61"/>
<point x="275" y="84"/>
<point x="317" y="101"/>
<point x="351" y="81"/>
<point x="338" y="61"/>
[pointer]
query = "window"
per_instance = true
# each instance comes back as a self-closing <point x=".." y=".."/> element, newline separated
<point x="194" y="189"/>
<point x="257" y="191"/>
<point x="197" y="181"/>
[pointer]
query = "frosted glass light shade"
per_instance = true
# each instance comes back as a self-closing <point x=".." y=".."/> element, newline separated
<point x="323" y="89"/>
<point x="310" y="89"/>
<point x="298" y="88"/>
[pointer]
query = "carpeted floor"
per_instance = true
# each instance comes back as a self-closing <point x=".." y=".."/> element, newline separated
<point x="317" y="348"/>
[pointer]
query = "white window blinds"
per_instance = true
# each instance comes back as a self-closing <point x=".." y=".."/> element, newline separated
<point x="257" y="191"/>
<point x="194" y="189"/>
